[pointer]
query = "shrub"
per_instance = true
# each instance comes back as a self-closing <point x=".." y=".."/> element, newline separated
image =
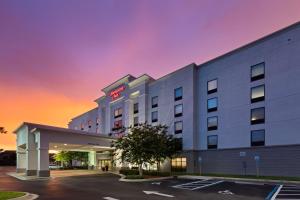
<point x="134" y="177"/>
<point x="127" y="171"/>
<point x="157" y="173"/>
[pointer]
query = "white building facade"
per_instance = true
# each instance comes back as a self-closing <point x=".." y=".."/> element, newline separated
<point x="236" y="114"/>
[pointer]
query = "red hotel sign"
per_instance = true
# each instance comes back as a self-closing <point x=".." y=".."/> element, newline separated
<point x="116" y="93"/>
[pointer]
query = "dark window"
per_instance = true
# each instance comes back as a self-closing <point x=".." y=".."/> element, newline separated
<point x="154" y="101"/>
<point x="258" y="115"/>
<point x="212" y="86"/>
<point x="212" y="142"/>
<point x="154" y="116"/>
<point x="258" y="93"/>
<point x="117" y="125"/>
<point x="212" y="123"/>
<point x="178" y="94"/>
<point x="118" y="112"/>
<point x="258" y="72"/>
<point x="136" y="108"/>
<point x="178" y="127"/>
<point x="135" y="121"/>
<point x="212" y="104"/>
<point x="178" y="109"/>
<point x="90" y="122"/>
<point x="258" y="138"/>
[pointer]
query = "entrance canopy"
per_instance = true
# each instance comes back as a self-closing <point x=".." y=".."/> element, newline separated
<point x="35" y="140"/>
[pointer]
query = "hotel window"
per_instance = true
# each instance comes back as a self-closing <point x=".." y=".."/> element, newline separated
<point x="82" y="126"/>
<point x="178" y="127"/>
<point x="178" y="164"/>
<point x="154" y="116"/>
<point x="118" y="112"/>
<point x="258" y="115"/>
<point x="258" y="138"/>
<point x="154" y="101"/>
<point x="258" y="72"/>
<point x="178" y="94"/>
<point x="258" y="93"/>
<point x="117" y="125"/>
<point x="135" y="121"/>
<point x="97" y="121"/>
<point x="90" y="123"/>
<point x="212" y="123"/>
<point x="212" y="86"/>
<point x="135" y="108"/>
<point x="178" y="110"/>
<point x="212" y="104"/>
<point x="212" y="142"/>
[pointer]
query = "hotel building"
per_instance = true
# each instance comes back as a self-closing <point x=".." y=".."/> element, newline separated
<point x="236" y="114"/>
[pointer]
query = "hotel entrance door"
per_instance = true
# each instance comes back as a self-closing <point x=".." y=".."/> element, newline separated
<point x="105" y="164"/>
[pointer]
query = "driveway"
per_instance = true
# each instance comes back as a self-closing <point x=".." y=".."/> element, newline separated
<point x="107" y="186"/>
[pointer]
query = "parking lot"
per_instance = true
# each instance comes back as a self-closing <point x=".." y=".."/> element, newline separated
<point x="108" y="186"/>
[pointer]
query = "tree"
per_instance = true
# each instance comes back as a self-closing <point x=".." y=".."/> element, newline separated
<point x="2" y="130"/>
<point x="66" y="157"/>
<point x="145" y="144"/>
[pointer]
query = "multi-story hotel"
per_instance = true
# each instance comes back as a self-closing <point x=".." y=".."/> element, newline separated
<point x="238" y="113"/>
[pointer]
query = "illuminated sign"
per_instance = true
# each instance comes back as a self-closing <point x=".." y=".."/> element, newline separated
<point x="116" y="93"/>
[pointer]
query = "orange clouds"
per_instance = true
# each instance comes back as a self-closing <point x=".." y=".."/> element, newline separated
<point x="19" y="104"/>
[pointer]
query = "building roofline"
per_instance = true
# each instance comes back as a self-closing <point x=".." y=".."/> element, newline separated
<point x="34" y="127"/>
<point x="84" y="113"/>
<point x="119" y="81"/>
<point x="250" y="44"/>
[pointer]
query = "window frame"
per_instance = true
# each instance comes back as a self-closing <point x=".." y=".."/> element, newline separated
<point x="213" y="90"/>
<point x="259" y="144"/>
<point x="215" y="108"/>
<point x="179" y="167"/>
<point x="258" y="99"/>
<point x="154" y="120"/>
<point x="135" y="124"/>
<point x="178" y="131"/>
<point x="119" y="115"/>
<point x="179" y="97"/>
<point x="209" y="146"/>
<point x="135" y="111"/>
<point x="259" y="77"/>
<point x="259" y="121"/>
<point x="178" y="114"/>
<point x="214" y="127"/>
<point x="154" y="105"/>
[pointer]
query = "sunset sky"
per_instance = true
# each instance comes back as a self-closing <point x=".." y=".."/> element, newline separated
<point x="57" y="55"/>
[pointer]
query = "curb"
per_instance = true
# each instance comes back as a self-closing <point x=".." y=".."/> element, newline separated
<point x="27" y="196"/>
<point x="239" y="179"/>
<point x="27" y="178"/>
<point x="123" y="179"/>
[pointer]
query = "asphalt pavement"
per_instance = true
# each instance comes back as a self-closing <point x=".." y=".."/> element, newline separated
<point x="107" y="186"/>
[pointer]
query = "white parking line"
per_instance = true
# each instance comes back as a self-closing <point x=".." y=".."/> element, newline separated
<point x="286" y="193"/>
<point x="204" y="186"/>
<point x="276" y="193"/>
<point x="197" y="184"/>
<point x="190" y="183"/>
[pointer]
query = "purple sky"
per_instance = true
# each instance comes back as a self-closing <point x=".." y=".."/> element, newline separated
<point x="72" y="49"/>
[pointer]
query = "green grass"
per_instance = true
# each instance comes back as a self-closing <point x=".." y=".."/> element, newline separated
<point x="242" y="176"/>
<point x="9" y="195"/>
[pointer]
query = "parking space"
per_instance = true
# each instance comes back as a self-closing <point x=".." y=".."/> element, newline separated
<point x="286" y="192"/>
<point x="107" y="186"/>
<point x="222" y="189"/>
<point x="196" y="185"/>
